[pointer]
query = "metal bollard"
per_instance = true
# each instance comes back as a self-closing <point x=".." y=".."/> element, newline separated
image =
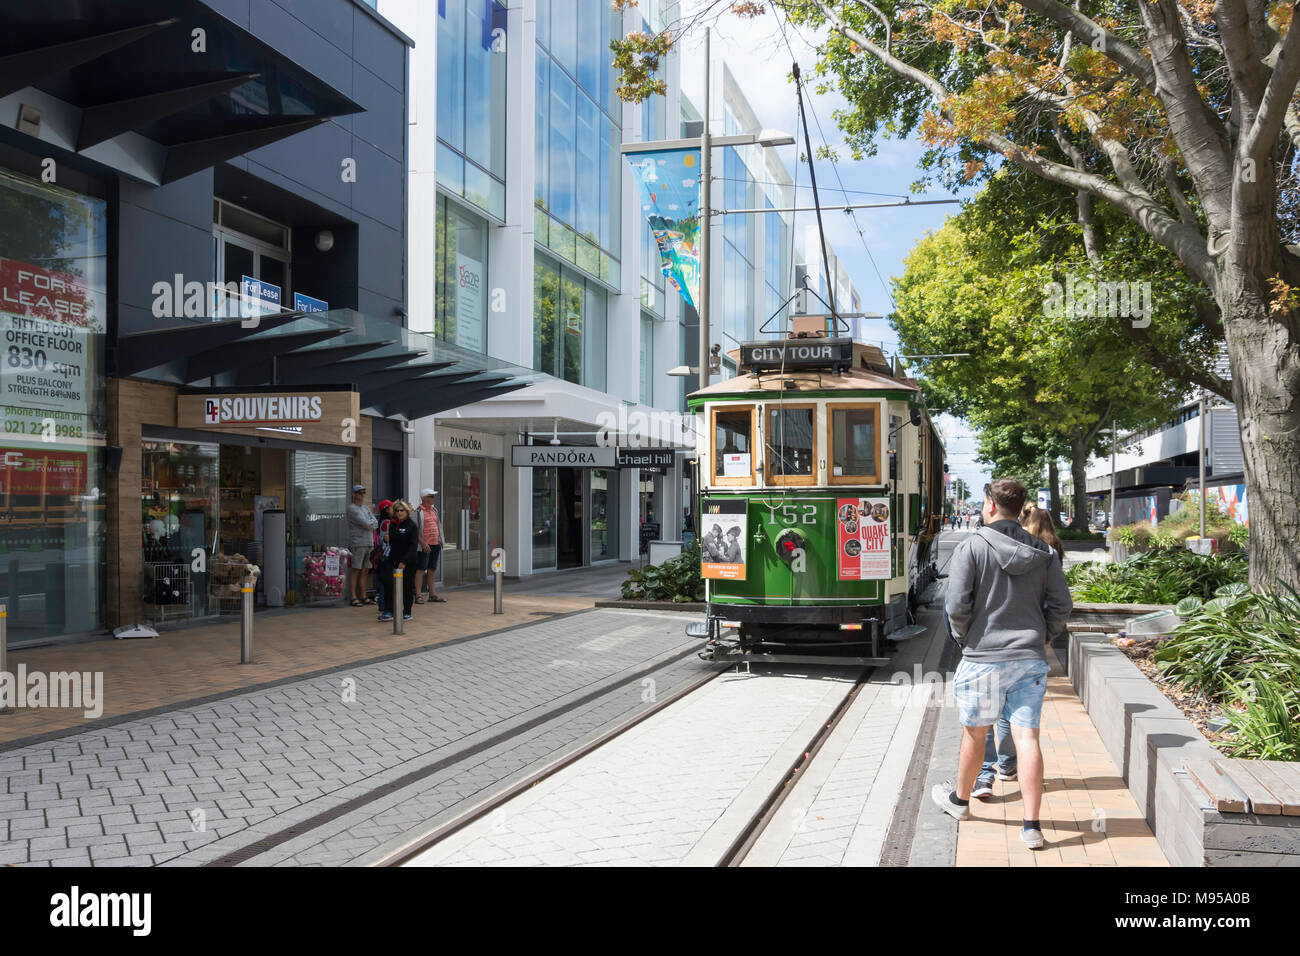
<point x="499" y="571"/>
<point x="246" y="623"/>
<point x="4" y="651"/>
<point x="398" y="610"/>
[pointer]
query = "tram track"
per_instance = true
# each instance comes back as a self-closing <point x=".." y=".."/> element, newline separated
<point x="743" y="835"/>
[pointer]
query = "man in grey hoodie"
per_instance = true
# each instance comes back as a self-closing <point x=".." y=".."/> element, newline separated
<point x="1007" y="598"/>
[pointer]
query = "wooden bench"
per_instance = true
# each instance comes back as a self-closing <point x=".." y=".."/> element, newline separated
<point x="1262" y="787"/>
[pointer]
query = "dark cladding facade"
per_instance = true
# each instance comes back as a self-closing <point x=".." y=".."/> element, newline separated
<point x="151" y="155"/>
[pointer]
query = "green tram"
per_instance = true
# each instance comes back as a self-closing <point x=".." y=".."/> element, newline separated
<point x="820" y="502"/>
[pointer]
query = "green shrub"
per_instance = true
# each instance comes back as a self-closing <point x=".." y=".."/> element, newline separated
<point x="1243" y="649"/>
<point x="1156" y="577"/>
<point x="677" y="579"/>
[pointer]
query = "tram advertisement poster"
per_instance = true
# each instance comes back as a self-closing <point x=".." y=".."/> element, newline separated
<point x="722" y="549"/>
<point x="863" y="537"/>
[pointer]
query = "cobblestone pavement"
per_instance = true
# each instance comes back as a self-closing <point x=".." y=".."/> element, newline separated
<point x="187" y="665"/>
<point x="677" y="789"/>
<point x="195" y="783"/>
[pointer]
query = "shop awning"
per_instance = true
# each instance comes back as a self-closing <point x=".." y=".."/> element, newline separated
<point x="400" y="374"/>
<point x="134" y="86"/>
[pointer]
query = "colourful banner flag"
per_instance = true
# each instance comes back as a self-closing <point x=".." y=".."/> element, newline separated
<point x="669" y="181"/>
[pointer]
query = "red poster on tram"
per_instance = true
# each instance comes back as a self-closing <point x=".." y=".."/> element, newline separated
<point x="863" y="543"/>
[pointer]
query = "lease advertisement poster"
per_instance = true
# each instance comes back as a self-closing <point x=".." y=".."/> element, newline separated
<point x="469" y="303"/>
<point x="49" y="326"/>
<point x="722" y="547"/>
<point x="863" y="538"/>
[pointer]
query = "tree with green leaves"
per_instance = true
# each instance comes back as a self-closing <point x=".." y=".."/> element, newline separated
<point x="1179" y="115"/>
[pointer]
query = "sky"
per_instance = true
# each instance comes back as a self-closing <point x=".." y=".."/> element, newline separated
<point x="760" y="60"/>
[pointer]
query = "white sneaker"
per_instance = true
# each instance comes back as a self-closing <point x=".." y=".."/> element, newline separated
<point x="1033" y="839"/>
<point x="943" y="796"/>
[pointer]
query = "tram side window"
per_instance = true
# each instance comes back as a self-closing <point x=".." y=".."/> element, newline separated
<point x="733" y="459"/>
<point x="855" y="444"/>
<point x="790" y="445"/>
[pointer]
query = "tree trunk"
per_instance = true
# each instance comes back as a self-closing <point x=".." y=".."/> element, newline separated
<point x="1264" y="349"/>
<point x="1054" y="491"/>
<point x="1079" y="471"/>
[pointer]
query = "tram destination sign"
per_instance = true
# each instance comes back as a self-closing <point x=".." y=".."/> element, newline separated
<point x="793" y="354"/>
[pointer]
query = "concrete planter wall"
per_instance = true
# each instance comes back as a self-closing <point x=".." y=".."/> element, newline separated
<point x="1149" y="738"/>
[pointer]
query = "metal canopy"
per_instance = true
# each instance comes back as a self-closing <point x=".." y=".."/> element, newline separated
<point x="136" y="68"/>
<point x="399" y="373"/>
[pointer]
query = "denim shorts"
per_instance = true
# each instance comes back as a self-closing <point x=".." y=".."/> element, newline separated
<point x="1011" y="689"/>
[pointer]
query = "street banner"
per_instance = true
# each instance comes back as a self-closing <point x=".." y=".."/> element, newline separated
<point x="722" y="547"/>
<point x="863" y="539"/>
<point x="669" y="184"/>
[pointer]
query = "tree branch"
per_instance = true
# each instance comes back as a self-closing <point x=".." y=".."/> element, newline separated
<point x="1198" y="132"/>
<point x="1182" y="240"/>
<point x="1129" y="58"/>
<point x="1176" y="368"/>
<point x="1276" y="100"/>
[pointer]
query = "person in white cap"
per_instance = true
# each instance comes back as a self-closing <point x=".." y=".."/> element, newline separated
<point x="426" y="519"/>
<point x="361" y="538"/>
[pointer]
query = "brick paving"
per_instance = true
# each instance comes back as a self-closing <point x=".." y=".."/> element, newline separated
<point x="196" y="782"/>
<point x="1089" y="818"/>
<point x="197" y="662"/>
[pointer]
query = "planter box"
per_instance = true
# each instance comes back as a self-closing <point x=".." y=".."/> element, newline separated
<point x="1149" y="738"/>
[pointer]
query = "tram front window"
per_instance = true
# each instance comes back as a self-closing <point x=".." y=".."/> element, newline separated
<point x="732" y="444"/>
<point x="854" y="440"/>
<point x="790" y="445"/>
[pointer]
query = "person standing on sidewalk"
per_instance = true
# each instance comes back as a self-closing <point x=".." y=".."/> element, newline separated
<point x="1007" y="597"/>
<point x="426" y="519"/>
<point x="361" y="539"/>
<point x="404" y="556"/>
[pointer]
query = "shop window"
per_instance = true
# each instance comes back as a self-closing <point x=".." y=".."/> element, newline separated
<point x="460" y="296"/>
<point x="732" y="446"/>
<point x="179" y="491"/>
<point x="855" y="444"/>
<point x="791" y="445"/>
<point x="53" y="311"/>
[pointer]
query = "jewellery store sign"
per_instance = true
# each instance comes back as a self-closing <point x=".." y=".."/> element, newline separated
<point x="49" y="323"/>
<point x="325" y="417"/>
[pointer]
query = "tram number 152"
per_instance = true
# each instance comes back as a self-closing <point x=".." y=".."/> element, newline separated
<point x="793" y="514"/>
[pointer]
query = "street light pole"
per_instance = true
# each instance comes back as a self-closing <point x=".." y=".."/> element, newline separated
<point x="1201" y="463"/>
<point x="1114" y="441"/>
<point x="706" y="216"/>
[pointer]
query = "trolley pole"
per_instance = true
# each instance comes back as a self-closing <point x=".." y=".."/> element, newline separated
<point x="499" y="575"/>
<point x="4" y="652"/>
<point x="398" y="610"/>
<point x="246" y="622"/>
<point x="706" y="216"/>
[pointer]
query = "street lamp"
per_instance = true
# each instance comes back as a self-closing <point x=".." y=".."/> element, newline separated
<point x="705" y="142"/>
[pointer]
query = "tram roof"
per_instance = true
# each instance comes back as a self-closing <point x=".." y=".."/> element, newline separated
<point x="870" y="372"/>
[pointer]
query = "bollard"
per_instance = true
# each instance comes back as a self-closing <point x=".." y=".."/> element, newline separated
<point x="398" y="610"/>
<point x="498" y="585"/>
<point x="246" y="624"/>
<point x="4" y="652"/>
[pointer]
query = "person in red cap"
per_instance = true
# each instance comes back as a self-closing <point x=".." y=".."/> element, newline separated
<point x="380" y="551"/>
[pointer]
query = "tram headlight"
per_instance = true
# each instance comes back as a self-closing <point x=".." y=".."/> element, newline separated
<point x="788" y="543"/>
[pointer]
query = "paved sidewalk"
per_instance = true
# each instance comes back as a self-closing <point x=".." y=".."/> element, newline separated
<point x="197" y="783"/>
<point x="195" y="663"/>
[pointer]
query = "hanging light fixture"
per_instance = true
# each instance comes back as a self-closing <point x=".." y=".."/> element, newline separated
<point x="555" y="431"/>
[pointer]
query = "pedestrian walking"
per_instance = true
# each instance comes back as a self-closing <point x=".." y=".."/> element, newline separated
<point x="426" y="519"/>
<point x="1007" y="597"/>
<point x="361" y="541"/>
<point x="404" y="556"/>
<point x="999" y="745"/>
